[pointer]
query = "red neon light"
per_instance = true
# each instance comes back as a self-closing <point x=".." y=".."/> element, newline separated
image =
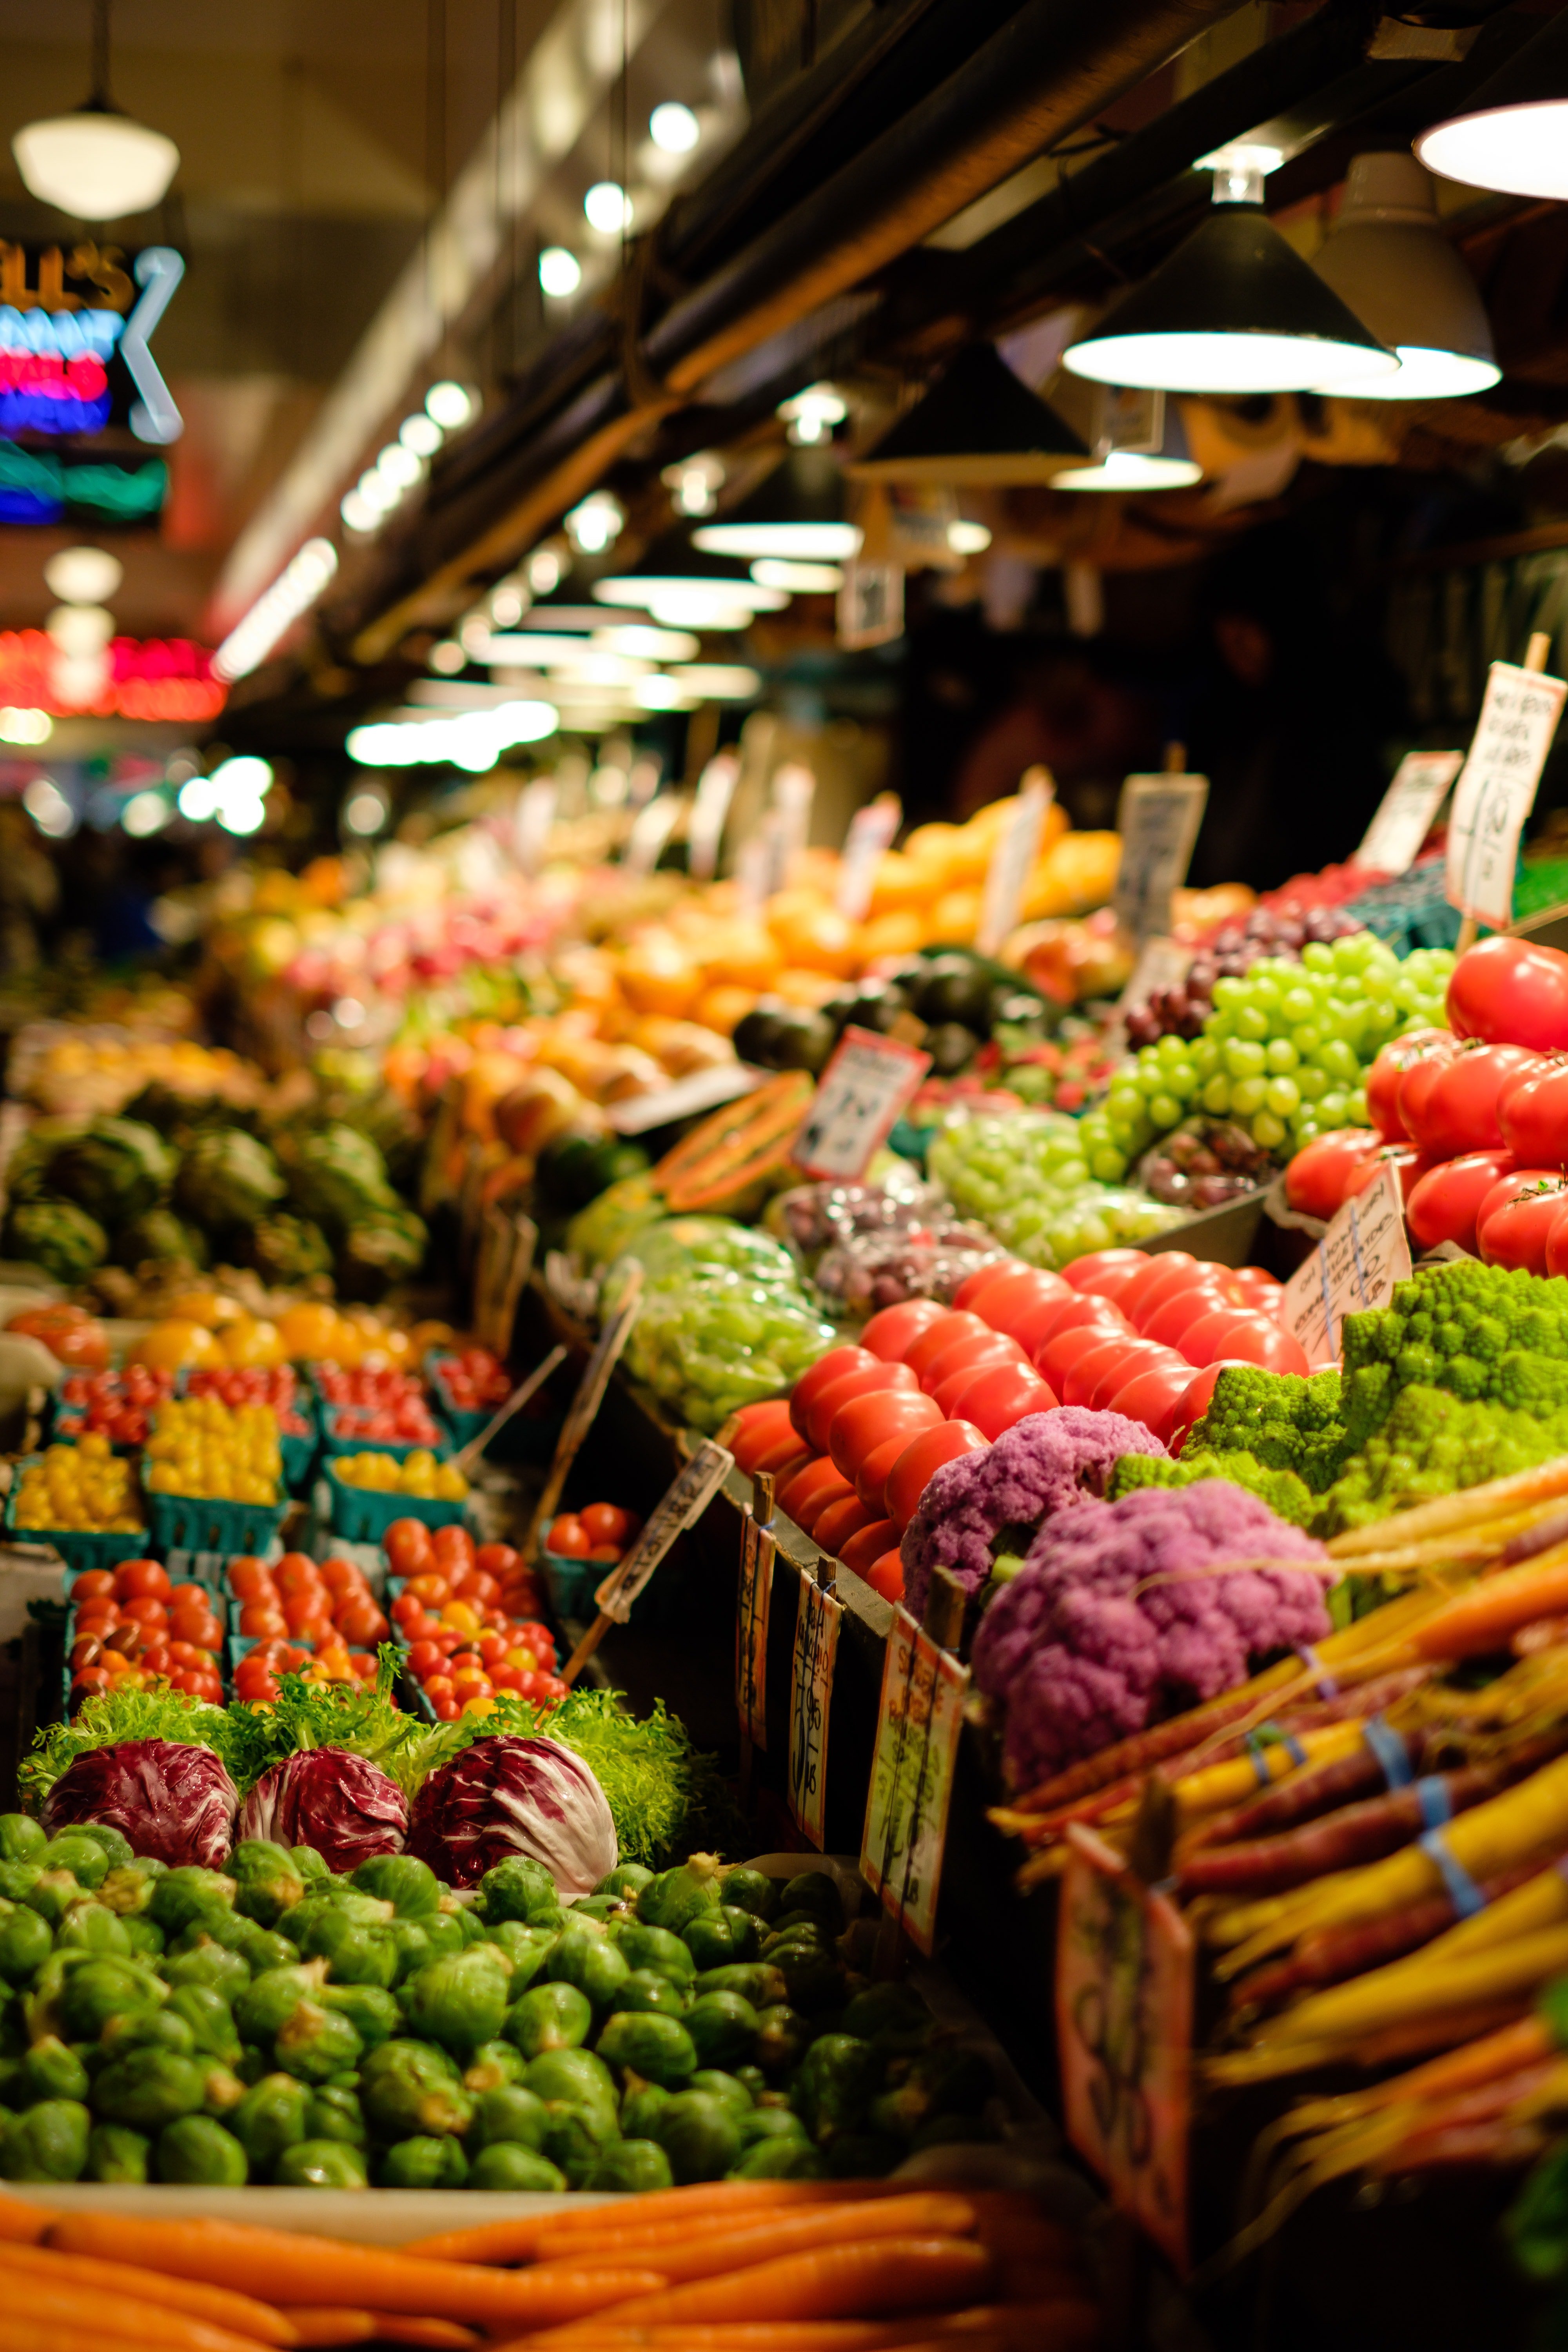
<point x="146" y="678"/>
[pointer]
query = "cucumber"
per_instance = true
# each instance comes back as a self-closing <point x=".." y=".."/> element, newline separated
<point x="727" y="2088"/>
<point x="643" y="1946"/>
<point x="550" y="2017"/>
<point x="647" y="1991"/>
<point x="714" y="1939"/>
<point x="748" y="1890"/>
<point x="722" y="2026"/>
<point x="700" y="2134"/>
<point x="636" y="2165"/>
<point x="658" y="2048"/>
<point x="756" y="1980"/>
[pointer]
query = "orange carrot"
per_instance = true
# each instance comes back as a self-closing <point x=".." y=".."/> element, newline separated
<point x="27" y="2335"/>
<point x="1028" y="2327"/>
<point x="758" y="2238"/>
<point x="22" y="2224"/>
<point x="1482" y="1617"/>
<point x="297" y="2268"/>
<point x="827" y="2282"/>
<point x="119" y="2319"/>
<point x="622" y="2218"/>
<point x="321" y="2324"/>
<point x="240" y="2313"/>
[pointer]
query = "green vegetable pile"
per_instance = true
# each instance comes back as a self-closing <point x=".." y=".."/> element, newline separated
<point x="725" y="1318"/>
<point x="271" y="2022"/>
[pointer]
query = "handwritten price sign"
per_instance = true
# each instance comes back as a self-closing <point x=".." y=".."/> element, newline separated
<point x="817" y="1622"/>
<point x="1355" y="1266"/>
<point x="757" y="1551"/>
<point x="1158" y="818"/>
<point x="1405" y="812"/>
<point x="918" y="1725"/>
<point x="1496" y="789"/>
<point x="862" y="1090"/>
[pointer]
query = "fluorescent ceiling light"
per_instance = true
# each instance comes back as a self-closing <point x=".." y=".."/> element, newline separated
<point x="20" y="725"/>
<point x="648" y="645"/>
<point x="827" y="543"/>
<point x="719" y="681"/>
<point x="661" y="693"/>
<point x="293" y="591"/>
<point x="1390" y="261"/>
<point x="967" y="538"/>
<point x="607" y="207"/>
<point x="95" y="165"/>
<point x="1513" y="133"/>
<point x="674" y="128"/>
<point x="1131" y="470"/>
<point x="560" y="271"/>
<point x="688" y="594"/>
<point x="799" y="579"/>
<point x="474" y="739"/>
<point x="83" y="575"/>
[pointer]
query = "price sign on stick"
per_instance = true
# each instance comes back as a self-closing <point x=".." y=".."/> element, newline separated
<point x="467" y="1461"/>
<point x="1405" y="812"/>
<point x="918" y="1725"/>
<point x="758" y="1549"/>
<point x="681" y="1506"/>
<point x="861" y="1092"/>
<point x="1158" y="818"/>
<point x="606" y="1354"/>
<point x="870" y="833"/>
<point x="715" y="789"/>
<point x="507" y="1245"/>
<point x="530" y="827"/>
<point x="1124" y="2035"/>
<point x="1011" y="859"/>
<point x="1496" y="789"/>
<point x="1355" y="1265"/>
<point x="817" y="1622"/>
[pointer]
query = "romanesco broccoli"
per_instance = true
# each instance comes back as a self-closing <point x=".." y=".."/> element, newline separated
<point x="1282" y="1420"/>
<point x="1434" y="1444"/>
<point x="1285" y="1493"/>
<point x="1479" y="1332"/>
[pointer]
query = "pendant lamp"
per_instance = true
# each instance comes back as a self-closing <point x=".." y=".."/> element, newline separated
<point x="978" y="424"/>
<point x="795" y="516"/>
<point x="1155" y="459"/>
<point x="1390" y="261"/>
<point x="96" y="164"/>
<point x="1233" y="310"/>
<point x="1513" y="133"/>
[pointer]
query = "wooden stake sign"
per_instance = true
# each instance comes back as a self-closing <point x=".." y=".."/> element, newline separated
<point x="918" y="1725"/>
<point x="758" y="1551"/>
<point x="681" y="1506"/>
<point x="467" y="1461"/>
<point x="507" y="1244"/>
<point x="608" y="1352"/>
<point x="818" y="1615"/>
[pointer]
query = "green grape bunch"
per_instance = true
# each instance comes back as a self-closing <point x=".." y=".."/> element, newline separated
<point x="1024" y="1173"/>
<point x="1284" y="1054"/>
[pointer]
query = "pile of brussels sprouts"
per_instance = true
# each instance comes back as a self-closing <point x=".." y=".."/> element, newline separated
<point x="272" y="2022"/>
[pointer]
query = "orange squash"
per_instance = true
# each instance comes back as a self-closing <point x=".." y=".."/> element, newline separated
<point x="743" y="1144"/>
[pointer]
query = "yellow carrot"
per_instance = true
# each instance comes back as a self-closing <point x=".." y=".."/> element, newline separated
<point x="1497" y="1498"/>
<point x="1367" y="2004"/>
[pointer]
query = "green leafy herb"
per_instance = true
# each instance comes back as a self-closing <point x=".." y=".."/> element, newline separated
<point x="238" y="1736"/>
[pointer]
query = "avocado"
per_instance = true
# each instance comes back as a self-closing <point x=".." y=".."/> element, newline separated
<point x="956" y="987"/>
<point x="951" y="1048"/>
<point x="877" y="1005"/>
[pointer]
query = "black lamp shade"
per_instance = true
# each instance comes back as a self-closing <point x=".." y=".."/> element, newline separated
<point x="976" y="424"/>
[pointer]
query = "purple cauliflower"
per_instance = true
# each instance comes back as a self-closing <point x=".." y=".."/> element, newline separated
<point x="1042" y="1464"/>
<point x="1081" y="1649"/>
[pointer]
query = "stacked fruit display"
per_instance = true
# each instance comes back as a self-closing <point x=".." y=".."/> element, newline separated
<point x="1282" y="934"/>
<point x="116" y="1405"/>
<point x="199" y="1445"/>
<point x="132" y="1628"/>
<point x="274" y="1385"/>
<point x="600" y="1532"/>
<point x="83" y="1488"/>
<point x="457" y="1611"/>
<point x="1034" y="1178"/>
<point x="321" y="1623"/>
<point x="473" y="1380"/>
<point x="417" y="1474"/>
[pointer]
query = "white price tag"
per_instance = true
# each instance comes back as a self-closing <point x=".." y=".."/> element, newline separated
<point x="870" y="833"/>
<point x="535" y="815"/>
<point x="715" y="790"/>
<point x="1010" y="862"/>
<point x="758" y="1549"/>
<point x="817" y="1622"/>
<point x="1355" y="1265"/>
<point x="680" y="1506"/>
<point x="1158" y="818"/>
<point x="918" y="1726"/>
<point x="871" y="604"/>
<point x="1496" y="789"/>
<point x="858" y="1098"/>
<point x="1405" y="812"/>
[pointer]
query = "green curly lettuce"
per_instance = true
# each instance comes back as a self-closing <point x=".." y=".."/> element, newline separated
<point x="238" y="1737"/>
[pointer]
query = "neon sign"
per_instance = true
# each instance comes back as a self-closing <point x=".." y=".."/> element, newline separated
<point x="143" y="678"/>
<point x="57" y="344"/>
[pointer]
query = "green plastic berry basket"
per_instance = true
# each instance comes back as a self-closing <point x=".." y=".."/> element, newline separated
<point x="79" y="1547"/>
<point x="364" y="1513"/>
<point x="201" y="1523"/>
<point x="337" y="1449"/>
<point x="528" y="1436"/>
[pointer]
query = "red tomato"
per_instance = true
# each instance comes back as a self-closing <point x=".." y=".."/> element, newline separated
<point x="869" y="1420"/>
<point x="1384" y="1078"/>
<point x="296" y="1568"/>
<point x="1511" y="993"/>
<point x="190" y="1596"/>
<point x="1461" y="1112"/>
<point x="136" y="1580"/>
<point x="769" y="1428"/>
<point x="811" y="1491"/>
<point x="361" y="1623"/>
<point x="201" y="1626"/>
<point x="1557" y="1245"/>
<point x="1078" y="1309"/>
<point x="567" y="1538"/>
<point x="1443" y="1205"/>
<point x="822" y="1375"/>
<point x="1318" y="1177"/>
<point x="1154" y="1278"/>
<point x="970" y="1348"/>
<point x="776" y="1456"/>
<point x="787" y="1468"/>
<point x="408" y="1548"/>
<point x="89" y="1680"/>
<point x="93" y="1584"/>
<point x="871" y="1478"/>
<point x="493" y="1649"/>
<point x="890" y="1333"/>
<point x="1247" y="1337"/>
<point x="145" y="1609"/>
<point x="263" y="1622"/>
<point x="1533" y="1115"/>
<point x="1086" y="1372"/>
<point x="606" y="1523"/>
<point x="1001" y="1395"/>
<point x="1193" y="1401"/>
<point x="886" y="1576"/>
<point x="1062" y="1350"/>
<point x="1515" y="1220"/>
<point x="1106" y="1272"/>
<point x="1007" y="1293"/>
<point x="862" y="1380"/>
<point x="424" y="1658"/>
<point x="1419" y="1077"/>
<point x="497" y="1558"/>
<point x="868" y="1545"/>
<point x="1257" y="1288"/>
<point x="249" y="1579"/>
<point x="1139" y="1356"/>
<point x="1181" y="1307"/>
<point x="839" y="1521"/>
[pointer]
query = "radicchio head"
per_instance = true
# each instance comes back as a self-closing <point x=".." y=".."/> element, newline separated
<point x="506" y="1796"/>
<point x="175" y="1803"/>
<point x="344" y="1807"/>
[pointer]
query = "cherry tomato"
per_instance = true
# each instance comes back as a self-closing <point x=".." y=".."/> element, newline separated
<point x="145" y="1610"/>
<point x="1442" y="1204"/>
<point x="89" y="1680"/>
<point x="499" y="1559"/>
<point x="1001" y="1395"/>
<point x="92" y="1584"/>
<point x="408" y="1548"/>
<point x="1461" y="1112"/>
<point x="1318" y="1178"/>
<point x="859" y="1381"/>
<point x="361" y="1623"/>
<point x="437" y="1687"/>
<point x="606" y="1523"/>
<point x="839" y="1521"/>
<point x="424" y="1658"/>
<point x="142" y="1579"/>
<point x="869" y="1420"/>
<point x="1510" y="992"/>
<point x="920" y="1460"/>
<point x="249" y="1579"/>
<point x="893" y="1330"/>
<point x="1106" y="1272"/>
<point x="567" y="1538"/>
<point x="868" y="1545"/>
<point x="886" y="1576"/>
<point x="768" y="1430"/>
<point x="1514" y="1221"/>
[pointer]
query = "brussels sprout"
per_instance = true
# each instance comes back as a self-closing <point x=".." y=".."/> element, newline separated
<point x="458" y="2002"/>
<point x="655" y="1947"/>
<point x="226" y="1928"/>
<point x="677" y="1895"/>
<point x="270" y="1999"/>
<point x="508" y="2114"/>
<point x="634" y="2165"/>
<point x="51" y="2070"/>
<point x="25" y="1944"/>
<point x="573" y="2140"/>
<point x="575" y="2078"/>
<point x="750" y="1890"/>
<point x="52" y="1893"/>
<point x="332" y="2112"/>
<point x="757" y="1981"/>
<point x="642" y="2102"/>
<point x="586" y="1958"/>
<point x="209" y="2018"/>
<point x="264" y="1947"/>
<point x="507" y="2164"/>
<point x="446" y="1932"/>
<point x="658" y="2048"/>
<point x="74" y="1850"/>
<point x="517" y="1888"/>
<point x="149" y="2087"/>
<point x="223" y="2087"/>
<point x="268" y="1885"/>
<point x="604" y="1910"/>
<point x="409" y="1884"/>
<point x="310" y="1864"/>
<point x="128" y="1889"/>
<point x="270" y="2118"/>
<point x="779" y="2157"/>
<point x="722" y="2025"/>
<point x="198" y="2153"/>
<point x="715" y="1938"/>
<point x="356" y="1950"/>
<point x="99" y="1991"/>
<point x="322" y="2164"/>
<point x="423" y="2161"/>
<point x="890" y="2014"/>
<point x="628" y="1879"/>
<point x="150" y="2028"/>
<point x="17" y="1880"/>
<point x="207" y="1962"/>
<point x="772" y="2123"/>
<point x="114" y="2153"/>
<point x="22" y="1838"/>
<point x="410" y="2089"/>
<point x="492" y="2065"/>
<point x="550" y="2017"/>
<point x="49" y="2143"/>
<point x="89" y="1926"/>
<point x="525" y="1949"/>
<point x="701" y="2135"/>
<point x="144" y="1940"/>
<point x="754" y="2080"/>
<point x="726" y="2088"/>
<point x="191" y="1897"/>
<point x="370" y="2009"/>
<point x="816" y="1892"/>
<point x="783" y="2038"/>
<point x="832" y="2088"/>
<point x="115" y="1843"/>
<point x="650" y="1994"/>
<point x="316" y="2042"/>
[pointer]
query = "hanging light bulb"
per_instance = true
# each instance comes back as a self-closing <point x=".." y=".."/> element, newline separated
<point x="96" y="164"/>
<point x="1232" y="310"/>
<point x="1513" y="133"/>
<point x="1391" y="262"/>
<point x="1140" y="444"/>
